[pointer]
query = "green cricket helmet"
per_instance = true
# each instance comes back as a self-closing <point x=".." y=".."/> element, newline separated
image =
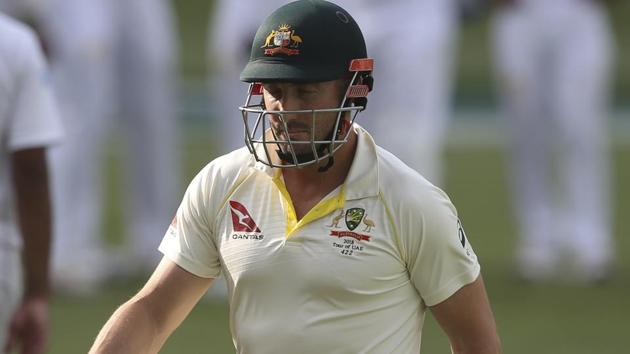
<point x="305" y="41"/>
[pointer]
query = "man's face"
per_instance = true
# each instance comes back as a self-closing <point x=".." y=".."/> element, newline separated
<point x="300" y="127"/>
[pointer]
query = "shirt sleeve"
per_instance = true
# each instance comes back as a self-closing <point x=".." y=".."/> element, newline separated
<point x="440" y="259"/>
<point x="189" y="239"/>
<point x="34" y="116"/>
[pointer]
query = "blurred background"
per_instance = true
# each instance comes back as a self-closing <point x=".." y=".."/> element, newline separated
<point x="536" y="312"/>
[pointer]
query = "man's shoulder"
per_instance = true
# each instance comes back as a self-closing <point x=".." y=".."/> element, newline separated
<point x="15" y="35"/>
<point x="395" y="176"/>
<point x="230" y="164"/>
<point x="401" y="185"/>
<point x="20" y="54"/>
<point x="225" y="171"/>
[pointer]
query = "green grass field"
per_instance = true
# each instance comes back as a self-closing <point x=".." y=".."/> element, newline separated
<point x="542" y="319"/>
<point x="554" y="319"/>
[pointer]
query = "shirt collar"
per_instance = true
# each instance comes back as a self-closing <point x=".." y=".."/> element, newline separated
<point x="362" y="180"/>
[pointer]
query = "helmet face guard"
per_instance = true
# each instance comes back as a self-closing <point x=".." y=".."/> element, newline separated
<point x="263" y="141"/>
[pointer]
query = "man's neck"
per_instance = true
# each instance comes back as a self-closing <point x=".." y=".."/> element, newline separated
<point x="307" y="186"/>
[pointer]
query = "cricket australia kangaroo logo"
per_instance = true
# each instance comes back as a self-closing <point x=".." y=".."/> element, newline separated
<point x="241" y="220"/>
<point x="353" y="218"/>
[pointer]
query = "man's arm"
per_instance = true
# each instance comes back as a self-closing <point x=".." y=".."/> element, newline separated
<point x="30" y="178"/>
<point x="29" y="325"/>
<point x="467" y="320"/>
<point x="143" y="324"/>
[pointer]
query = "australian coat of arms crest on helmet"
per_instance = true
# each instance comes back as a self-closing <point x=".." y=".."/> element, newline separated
<point x="282" y="41"/>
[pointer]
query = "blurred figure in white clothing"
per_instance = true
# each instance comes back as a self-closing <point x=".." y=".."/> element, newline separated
<point x="29" y="125"/>
<point x="413" y="44"/>
<point x="553" y="61"/>
<point x="110" y="59"/>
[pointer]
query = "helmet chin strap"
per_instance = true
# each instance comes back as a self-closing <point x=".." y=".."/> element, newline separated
<point x="331" y="161"/>
<point x="331" y="158"/>
<point x="331" y="137"/>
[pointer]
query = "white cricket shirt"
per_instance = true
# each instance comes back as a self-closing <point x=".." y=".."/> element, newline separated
<point x="28" y="116"/>
<point x="355" y="275"/>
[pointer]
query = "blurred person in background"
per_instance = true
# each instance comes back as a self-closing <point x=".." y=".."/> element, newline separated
<point x="413" y="43"/>
<point x="113" y="58"/>
<point x="553" y="62"/>
<point x="29" y="125"/>
<point x="109" y="58"/>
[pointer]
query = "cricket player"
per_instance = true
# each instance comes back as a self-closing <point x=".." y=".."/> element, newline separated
<point x="553" y="60"/>
<point x="328" y="242"/>
<point x="109" y="59"/>
<point x="29" y="124"/>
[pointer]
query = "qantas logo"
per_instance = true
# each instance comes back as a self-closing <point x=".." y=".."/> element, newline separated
<point x="241" y="220"/>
